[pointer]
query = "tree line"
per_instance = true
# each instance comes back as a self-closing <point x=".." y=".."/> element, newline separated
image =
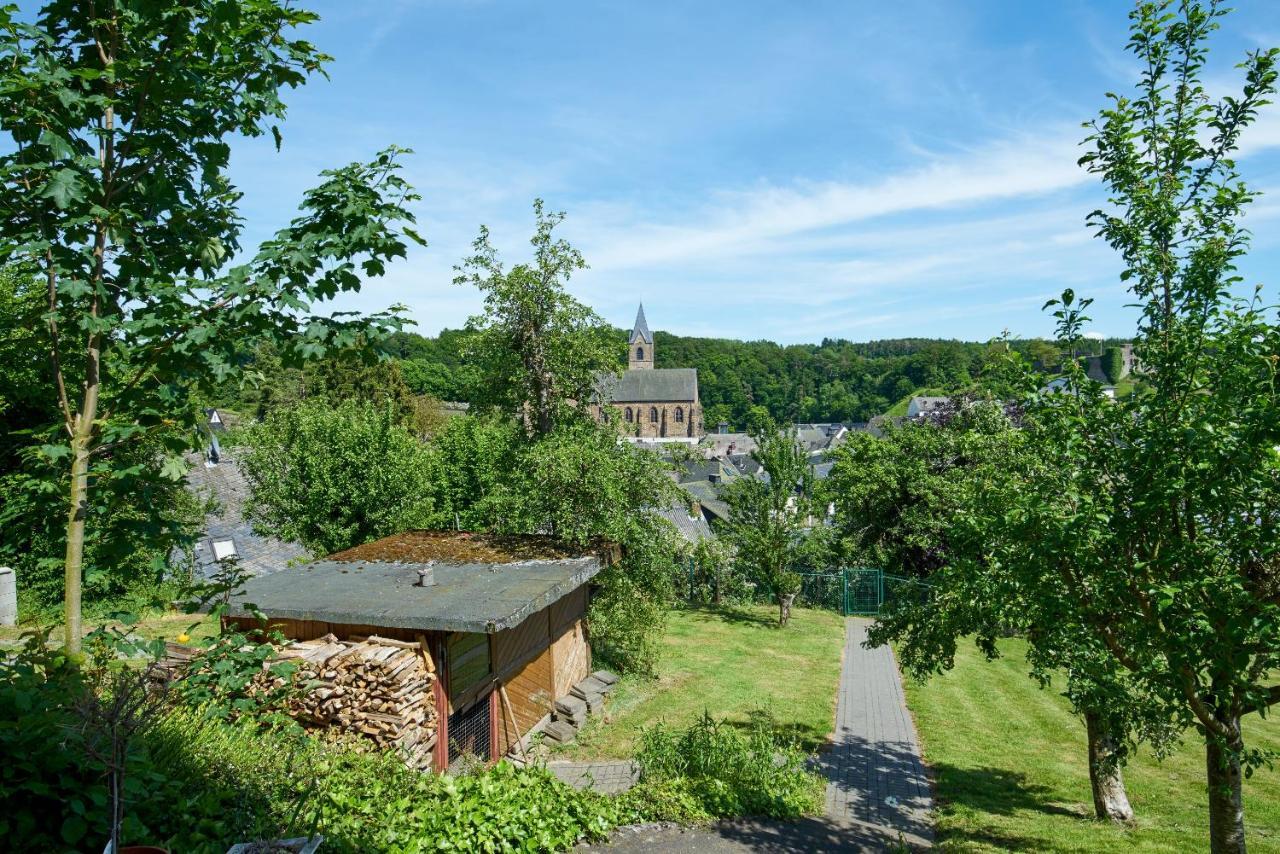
<point x="835" y="380"/>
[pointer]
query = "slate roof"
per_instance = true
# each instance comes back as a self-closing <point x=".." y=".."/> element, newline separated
<point x="641" y="329"/>
<point x="706" y="494"/>
<point x="692" y="528"/>
<point x="715" y="470"/>
<point x="225" y="484"/>
<point x="650" y="386"/>
<point x="486" y="596"/>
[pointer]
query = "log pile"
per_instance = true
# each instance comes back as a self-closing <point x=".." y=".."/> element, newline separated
<point x="377" y="688"/>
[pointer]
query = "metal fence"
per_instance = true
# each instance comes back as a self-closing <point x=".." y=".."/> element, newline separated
<point x="858" y="591"/>
<point x="851" y="591"/>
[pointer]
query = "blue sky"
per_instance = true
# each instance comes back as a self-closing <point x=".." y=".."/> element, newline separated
<point x="789" y="171"/>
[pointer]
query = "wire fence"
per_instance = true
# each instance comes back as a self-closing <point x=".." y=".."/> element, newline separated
<point x="863" y="591"/>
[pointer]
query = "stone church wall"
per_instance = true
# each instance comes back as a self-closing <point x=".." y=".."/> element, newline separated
<point x="673" y="419"/>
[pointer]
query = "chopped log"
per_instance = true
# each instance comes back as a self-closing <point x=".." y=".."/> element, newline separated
<point x="378" y="688"/>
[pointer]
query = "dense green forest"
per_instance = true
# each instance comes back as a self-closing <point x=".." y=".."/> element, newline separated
<point x="836" y="380"/>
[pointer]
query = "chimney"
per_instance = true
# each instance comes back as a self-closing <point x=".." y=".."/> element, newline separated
<point x="427" y="575"/>
<point x="695" y="509"/>
<point x="723" y="427"/>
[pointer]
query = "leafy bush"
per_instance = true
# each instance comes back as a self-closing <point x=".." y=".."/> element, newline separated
<point x="730" y="771"/>
<point x="363" y="800"/>
<point x="331" y="478"/>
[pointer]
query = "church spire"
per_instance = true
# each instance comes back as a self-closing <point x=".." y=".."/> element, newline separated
<point x="640" y="344"/>
<point x="640" y="332"/>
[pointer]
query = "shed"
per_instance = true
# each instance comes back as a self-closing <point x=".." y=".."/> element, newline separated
<point x="501" y="615"/>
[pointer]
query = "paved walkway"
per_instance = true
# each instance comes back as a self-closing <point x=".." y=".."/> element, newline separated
<point x="878" y="795"/>
<point x="876" y="776"/>
<point x="607" y="777"/>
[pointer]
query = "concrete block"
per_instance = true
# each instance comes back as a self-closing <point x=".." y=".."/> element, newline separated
<point x="572" y="708"/>
<point x="560" y="732"/>
<point x="8" y="597"/>
<point x="605" y="676"/>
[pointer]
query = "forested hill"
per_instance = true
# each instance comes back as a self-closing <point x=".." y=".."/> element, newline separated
<point x="836" y="380"/>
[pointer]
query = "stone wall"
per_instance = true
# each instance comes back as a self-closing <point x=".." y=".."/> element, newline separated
<point x="673" y="419"/>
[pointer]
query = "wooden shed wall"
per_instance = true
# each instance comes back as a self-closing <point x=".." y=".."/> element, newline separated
<point x="569" y="648"/>
<point x="528" y="689"/>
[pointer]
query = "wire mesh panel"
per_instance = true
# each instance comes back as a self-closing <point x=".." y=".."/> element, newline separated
<point x="864" y="591"/>
<point x="469" y="732"/>
<point x="821" y="590"/>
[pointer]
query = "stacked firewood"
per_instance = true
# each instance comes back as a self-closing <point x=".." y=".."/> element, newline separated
<point x="377" y="688"/>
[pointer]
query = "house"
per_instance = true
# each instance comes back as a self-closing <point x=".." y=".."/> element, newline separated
<point x="707" y="497"/>
<point x="215" y="477"/>
<point x="922" y="407"/>
<point x="502" y="617"/>
<point x="658" y="404"/>
<point x="689" y="521"/>
<point x="1061" y="385"/>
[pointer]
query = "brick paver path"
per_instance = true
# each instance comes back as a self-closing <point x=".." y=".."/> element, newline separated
<point x="609" y="778"/>
<point x="874" y="767"/>
<point x="878" y="793"/>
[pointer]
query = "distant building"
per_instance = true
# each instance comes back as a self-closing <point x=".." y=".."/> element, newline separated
<point x="225" y="533"/>
<point x="922" y="407"/>
<point x="652" y="403"/>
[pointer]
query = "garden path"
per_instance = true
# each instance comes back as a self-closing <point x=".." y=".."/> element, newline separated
<point x="878" y="792"/>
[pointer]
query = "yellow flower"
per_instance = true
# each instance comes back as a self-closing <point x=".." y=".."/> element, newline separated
<point x="184" y="637"/>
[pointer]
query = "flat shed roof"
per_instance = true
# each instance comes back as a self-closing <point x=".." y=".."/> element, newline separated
<point x="482" y="584"/>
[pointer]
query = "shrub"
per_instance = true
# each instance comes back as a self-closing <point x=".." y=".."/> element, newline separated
<point x="730" y="771"/>
<point x="334" y="477"/>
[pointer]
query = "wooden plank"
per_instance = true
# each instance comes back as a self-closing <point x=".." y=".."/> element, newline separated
<point x="516" y="645"/>
<point x="571" y="654"/>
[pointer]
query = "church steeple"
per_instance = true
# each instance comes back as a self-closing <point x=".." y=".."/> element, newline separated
<point x="640" y="344"/>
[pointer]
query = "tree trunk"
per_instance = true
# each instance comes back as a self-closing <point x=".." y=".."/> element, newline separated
<point x="1226" y="807"/>
<point x="77" y="510"/>
<point x="784" y="608"/>
<point x="1110" y="801"/>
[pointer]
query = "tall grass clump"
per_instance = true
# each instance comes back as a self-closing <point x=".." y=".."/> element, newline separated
<point x="730" y="770"/>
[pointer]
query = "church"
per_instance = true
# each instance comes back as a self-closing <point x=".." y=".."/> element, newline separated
<point x="652" y="403"/>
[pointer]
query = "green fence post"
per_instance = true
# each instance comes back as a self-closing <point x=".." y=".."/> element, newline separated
<point x="879" y="590"/>
<point x="844" y="592"/>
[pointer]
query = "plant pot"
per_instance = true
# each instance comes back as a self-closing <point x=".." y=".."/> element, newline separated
<point x="298" y="845"/>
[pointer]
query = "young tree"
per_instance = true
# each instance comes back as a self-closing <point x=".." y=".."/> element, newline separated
<point x="542" y="352"/>
<point x="116" y="192"/>
<point x="1156" y="518"/>
<point x="768" y="515"/>
<point x="928" y="500"/>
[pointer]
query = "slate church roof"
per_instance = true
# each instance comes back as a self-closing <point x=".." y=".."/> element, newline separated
<point x="653" y="386"/>
<point x="641" y="330"/>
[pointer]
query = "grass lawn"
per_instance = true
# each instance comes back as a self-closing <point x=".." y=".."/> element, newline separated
<point x="1010" y="765"/>
<point x="731" y="662"/>
<point x="167" y="625"/>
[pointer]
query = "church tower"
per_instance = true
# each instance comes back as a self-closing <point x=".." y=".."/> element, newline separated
<point x="640" y="344"/>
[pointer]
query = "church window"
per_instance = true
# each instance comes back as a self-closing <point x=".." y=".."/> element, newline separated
<point x="639" y="353"/>
<point x="653" y="411"/>
<point x="628" y="415"/>
<point x="679" y="414"/>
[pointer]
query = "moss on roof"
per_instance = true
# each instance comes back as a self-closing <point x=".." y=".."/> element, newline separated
<point x="460" y="547"/>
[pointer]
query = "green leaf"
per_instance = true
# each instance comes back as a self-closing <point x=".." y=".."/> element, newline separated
<point x="63" y="187"/>
<point x="74" y="828"/>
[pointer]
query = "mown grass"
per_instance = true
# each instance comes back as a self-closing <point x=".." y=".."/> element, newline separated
<point x="732" y="662"/>
<point x="1011" y="775"/>
<point x="167" y="625"/>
